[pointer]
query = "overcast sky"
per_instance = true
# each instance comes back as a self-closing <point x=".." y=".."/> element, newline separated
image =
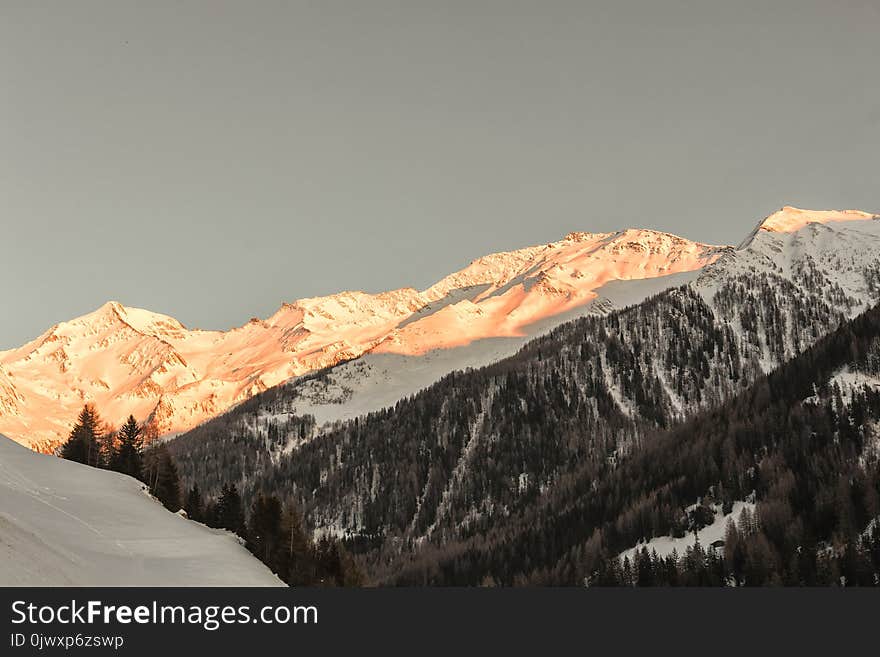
<point x="211" y="160"/>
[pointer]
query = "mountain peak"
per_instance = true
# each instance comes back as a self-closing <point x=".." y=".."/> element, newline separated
<point x="109" y="309"/>
<point x="789" y="219"/>
<point x="581" y="236"/>
<point x="143" y="321"/>
<point x="111" y="306"/>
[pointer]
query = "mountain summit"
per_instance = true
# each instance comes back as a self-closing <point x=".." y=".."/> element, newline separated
<point x="789" y="219"/>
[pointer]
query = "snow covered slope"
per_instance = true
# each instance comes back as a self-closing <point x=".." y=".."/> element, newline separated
<point x="65" y="524"/>
<point x="128" y="360"/>
<point x="830" y="255"/>
<point x="379" y="378"/>
<point x="829" y="258"/>
<point x="383" y="347"/>
<point x="799" y="244"/>
<point x="666" y="545"/>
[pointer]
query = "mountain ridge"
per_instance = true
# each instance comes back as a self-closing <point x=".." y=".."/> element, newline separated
<point x="130" y="360"/>
<point x="834" y="266"/>
<point x="437" y="475"/>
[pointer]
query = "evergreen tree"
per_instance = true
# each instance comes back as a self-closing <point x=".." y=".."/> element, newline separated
<point x="230" y="514"/>
<point x="162" y="477"/>
<point x="264" y="529"/>
<point x="82" y="445"/>
<point x="126" y="456"/>
<point x="295" y="558"/>
<point x="193" y="504"/>
<point x="336" y="567"/>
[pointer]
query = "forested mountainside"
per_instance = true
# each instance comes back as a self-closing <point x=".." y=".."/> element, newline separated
<point x="482" y="446"/>
<point x="802" y="442"/>
<point x="450" y="467"/>
<point x="764" y="302"/>
<point x="653" y="364"/>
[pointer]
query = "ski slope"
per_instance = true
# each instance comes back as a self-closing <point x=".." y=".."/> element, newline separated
<point x="66" y="524"/>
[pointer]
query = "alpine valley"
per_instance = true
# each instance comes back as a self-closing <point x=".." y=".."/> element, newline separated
<point x="709" y="413"/>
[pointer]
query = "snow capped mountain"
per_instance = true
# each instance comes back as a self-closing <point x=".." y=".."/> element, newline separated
<point x="66" y="524"/>
<point x="837" y="250"/>
<point x="503" y="294"/>
<point x="799" y="254"/>
<point x="383" y="347"/>
<point x="434" y="461"/>
<point x="129" y="360"/>
<point x="790" y="220"/>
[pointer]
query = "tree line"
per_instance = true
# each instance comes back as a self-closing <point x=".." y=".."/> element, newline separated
<point x="273" y="532"/>
<point x="94" y="442"/>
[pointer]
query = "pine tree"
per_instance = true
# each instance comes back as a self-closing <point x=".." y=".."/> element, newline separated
<point x="229" y="510"/>
<point x="295" y="559"/>
<point x="106" y="440"/>
<point x="264" y="529"/>
<point x="82" y="444"/>
<point x="126" y="457"/>
<point x="336" y="566"/>
<point x="193" y="505"/>
<point x="162" y="477"/>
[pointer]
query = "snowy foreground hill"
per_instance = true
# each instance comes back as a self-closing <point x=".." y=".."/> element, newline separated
<point x="66" y="524"/>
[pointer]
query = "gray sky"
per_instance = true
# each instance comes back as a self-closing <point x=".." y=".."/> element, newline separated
<point x="211" y="160"/>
